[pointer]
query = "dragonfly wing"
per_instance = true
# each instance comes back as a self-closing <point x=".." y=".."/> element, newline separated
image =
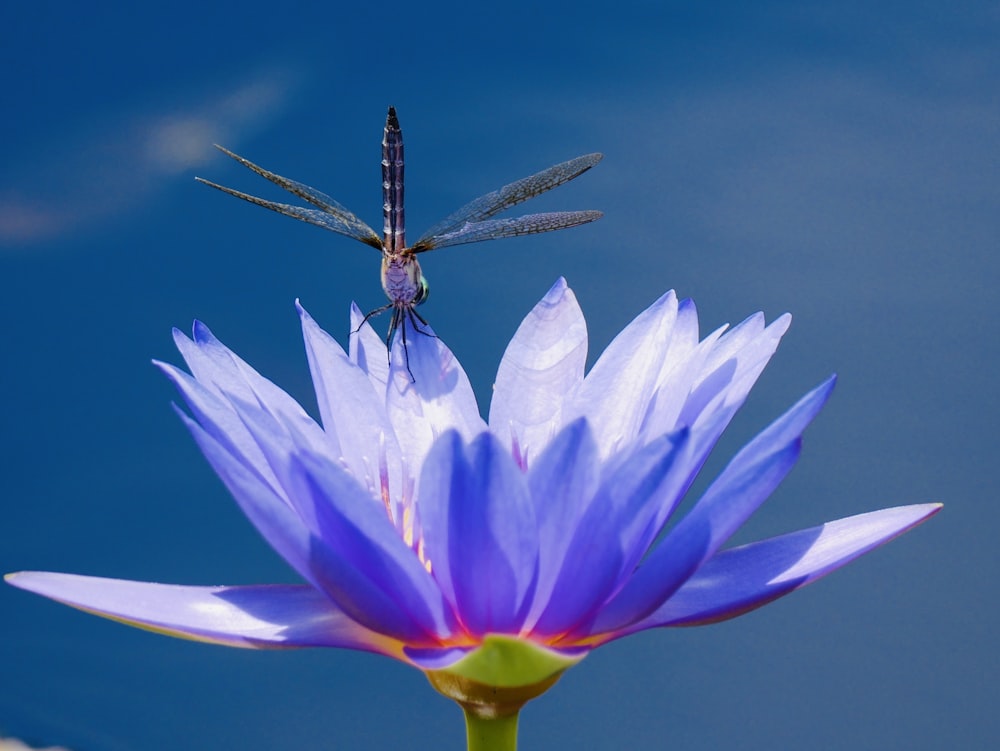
<point x="357" y="228"/>
<point x="494" y="229"/>
<point x="348" y="225"/>
<point x="510" y="195"/>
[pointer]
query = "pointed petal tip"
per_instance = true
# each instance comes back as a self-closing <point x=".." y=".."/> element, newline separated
<point x="818" y="396"/>
<point x="357" y="320"/>
<point x="29" y="580"/>
<point x="929" y="509"/>
<point x="174" y="374"/>
<point x="790" y="427"/>
<point x="557" y="290"/>
<point x="668" y="299"/>
<point x="744" y="578"/>
<point x="179" y="337"/>
<point x="828" y="385"/>
<point x="781" y="324"/>
<point x="304" y="316"/>
<point x="891" y="522"/>
<point x="201" y="332"/>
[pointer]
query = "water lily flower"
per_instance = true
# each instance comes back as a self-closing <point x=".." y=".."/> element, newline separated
<point x="492" y="554"/>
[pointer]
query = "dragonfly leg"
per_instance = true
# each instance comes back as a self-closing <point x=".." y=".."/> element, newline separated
<point x="400" y="315"/>
<point x="371" y="314"/>
<point x="414" y="317"/>
<point x="399" y="318"/>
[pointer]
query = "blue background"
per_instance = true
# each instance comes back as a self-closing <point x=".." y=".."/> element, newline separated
<point x="839" y="161"/>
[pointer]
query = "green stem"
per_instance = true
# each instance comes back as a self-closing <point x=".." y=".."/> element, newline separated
<point x="493" y="734"/>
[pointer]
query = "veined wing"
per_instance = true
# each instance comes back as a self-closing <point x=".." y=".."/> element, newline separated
<point x="509" y="195"/>
<point x="332" y="215"/>
<point x="494" y="229"/>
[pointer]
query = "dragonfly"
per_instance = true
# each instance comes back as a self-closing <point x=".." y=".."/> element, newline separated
<point x="403" y="281"/>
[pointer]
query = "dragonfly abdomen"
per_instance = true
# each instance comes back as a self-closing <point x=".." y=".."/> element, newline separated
<point x="394" y="231"/>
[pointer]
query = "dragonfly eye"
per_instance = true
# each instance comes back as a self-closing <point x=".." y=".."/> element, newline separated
<point x="423" y="292"/>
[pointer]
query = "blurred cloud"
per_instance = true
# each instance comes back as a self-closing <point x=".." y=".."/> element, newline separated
<point x="12" y="744"/>
<point x="115" y="166"/>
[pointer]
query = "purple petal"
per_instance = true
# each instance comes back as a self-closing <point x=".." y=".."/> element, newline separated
<point x="258" y="617"/>
<point x="353" y="414"/>
<point x="699" y="379"/>
<point x="562" y="481"/>
<point x="438" y="398"/>
<point x="746" y="483"/>
<point x="616" y="393"/>
<point x="540" y="372"/>
<point x="439" y="481"/>
<point x="335" y="534"/>
<point x="741" y="579"/>
<point x="217" y="417"/>
<point x="271" y="514"/>
<point x="681" y="367"/>
<point x="732" y="367"/>
<point x="220" y="369"/>
<point x="744" y="341"/>
<point x="368" y="351"/>
<point x="603" y="548"/>
<point x="480" y="533"/>
<point x="359" y="558"/>
<point x="277" y="446"/>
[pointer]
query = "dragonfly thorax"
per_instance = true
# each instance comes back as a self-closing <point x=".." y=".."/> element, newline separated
<point x="403" y="281"/>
